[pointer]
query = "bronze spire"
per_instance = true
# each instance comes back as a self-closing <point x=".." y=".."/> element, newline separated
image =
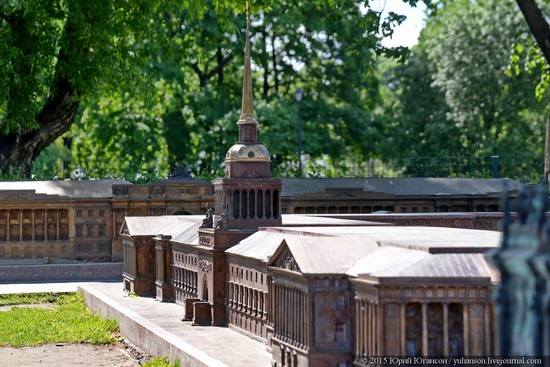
<point x="247" y="122"/>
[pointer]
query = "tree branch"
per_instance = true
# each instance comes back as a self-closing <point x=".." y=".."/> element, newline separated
<point x="537" y="24"/>
<point x="200" y="74"/>
<point x="8" y="19"/>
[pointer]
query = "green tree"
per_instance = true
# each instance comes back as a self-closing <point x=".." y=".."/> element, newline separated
<point x="455" y="96"/>
<point x="327" y="50"/>
<point x="540" y="29"/>
<point x="125" y="139"/>
<point x="414" y="112"/>
<point x="57" y="55"/>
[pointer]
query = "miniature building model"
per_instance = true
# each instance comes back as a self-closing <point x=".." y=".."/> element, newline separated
<point x="317" y="290"/>
<point x="67" y="221"/>
<point x="58" y="221"/>
<point x="396" y="195"/>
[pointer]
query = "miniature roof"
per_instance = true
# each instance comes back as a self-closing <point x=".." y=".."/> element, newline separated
<point x="260" y="245"/>
<point x="151" y="226"/>
<point x="188" y="234"/>
<point x="400" y="186"/>
<point x="247" y="153"/>
<point x="294" y="220"/>
<point x="325" y="255"/>
<point x="386" y="257"/>
<point x="389" y="264"/>
<point x="430" y="239"/>
<point x="179" y="181"/>
<point x="181" y="229"/>
<point x="73" y="189"/>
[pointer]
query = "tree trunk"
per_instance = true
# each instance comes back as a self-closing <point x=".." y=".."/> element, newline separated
<point x="274" y="62"/>
<point x="19" y="150"/>
<point x="537" y="24"/>
<point x="547" y="151"/>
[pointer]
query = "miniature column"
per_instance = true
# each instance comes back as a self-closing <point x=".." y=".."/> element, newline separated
<point x="488" y="334"/>
<point x="20" y="225"/>
<point x="33" y="212"/>
<point x="358" y="326"/>
<point x="57" y="220"/>
<point x="8" y="225"/>
<point x="466" y="322"/>
<point x="256" y="214"/>
<point x="445" y="329"/>
<point x="263" y="204"/>
<point x="424" y="329"/>
<point x="403" y="325"/>
<point x="45" y="224"/>
<point x="113" y="226"/>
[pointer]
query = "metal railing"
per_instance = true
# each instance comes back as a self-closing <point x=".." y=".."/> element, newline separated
<point x="526" y="168"/>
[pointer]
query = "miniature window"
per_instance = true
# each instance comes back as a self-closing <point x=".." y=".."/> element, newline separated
<point x="340" y="331"/>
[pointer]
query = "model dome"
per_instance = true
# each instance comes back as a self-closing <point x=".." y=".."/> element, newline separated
<point x="247" y="153"/>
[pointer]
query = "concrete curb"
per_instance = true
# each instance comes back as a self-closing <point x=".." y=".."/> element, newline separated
<point x="144" y="334"/>
<point x="61" y="272"/>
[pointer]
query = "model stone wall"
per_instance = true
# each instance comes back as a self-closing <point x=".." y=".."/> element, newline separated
<point x="66" y="221"/>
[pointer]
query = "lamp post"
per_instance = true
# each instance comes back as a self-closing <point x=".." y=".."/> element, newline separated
<point x="298" y="96"/>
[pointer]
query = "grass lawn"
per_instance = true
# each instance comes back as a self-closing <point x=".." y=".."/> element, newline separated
<point x="68" y="321"/>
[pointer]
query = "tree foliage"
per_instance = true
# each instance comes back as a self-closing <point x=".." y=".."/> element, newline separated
<point x="455" y="95"/>
<point x="55" y="54"/>
<point x="326" y="48"/>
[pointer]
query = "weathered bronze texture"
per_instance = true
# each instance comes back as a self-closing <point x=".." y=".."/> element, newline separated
<point x="523" y="297"/>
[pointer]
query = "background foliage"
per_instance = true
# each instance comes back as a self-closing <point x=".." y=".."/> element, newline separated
<point x="159" y="84"/>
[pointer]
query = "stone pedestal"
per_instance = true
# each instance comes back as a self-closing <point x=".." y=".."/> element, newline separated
<point x="202" y="314"/>
<point x="188" y="308"/>
<point x="218" y="315"/>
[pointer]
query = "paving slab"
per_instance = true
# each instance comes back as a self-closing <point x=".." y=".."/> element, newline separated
<point x="156" y="328"/>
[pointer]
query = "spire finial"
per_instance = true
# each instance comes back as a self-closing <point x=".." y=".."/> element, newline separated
<point x="247" y="107"/>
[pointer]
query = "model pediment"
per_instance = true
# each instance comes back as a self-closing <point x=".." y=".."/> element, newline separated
<point x="287" y="261"/>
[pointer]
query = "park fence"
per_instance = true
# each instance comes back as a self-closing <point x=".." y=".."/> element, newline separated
<point x="525" y="168"/>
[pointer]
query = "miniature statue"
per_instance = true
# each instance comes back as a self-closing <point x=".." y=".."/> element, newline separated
<point x="223" y="220"/>
<point x="208" y="221"/>
<point x="523" y="261"/>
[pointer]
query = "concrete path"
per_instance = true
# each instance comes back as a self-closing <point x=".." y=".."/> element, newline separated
<point x="156" y="327"/>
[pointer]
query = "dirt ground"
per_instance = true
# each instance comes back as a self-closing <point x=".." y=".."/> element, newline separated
<point x="55" y="355"/>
